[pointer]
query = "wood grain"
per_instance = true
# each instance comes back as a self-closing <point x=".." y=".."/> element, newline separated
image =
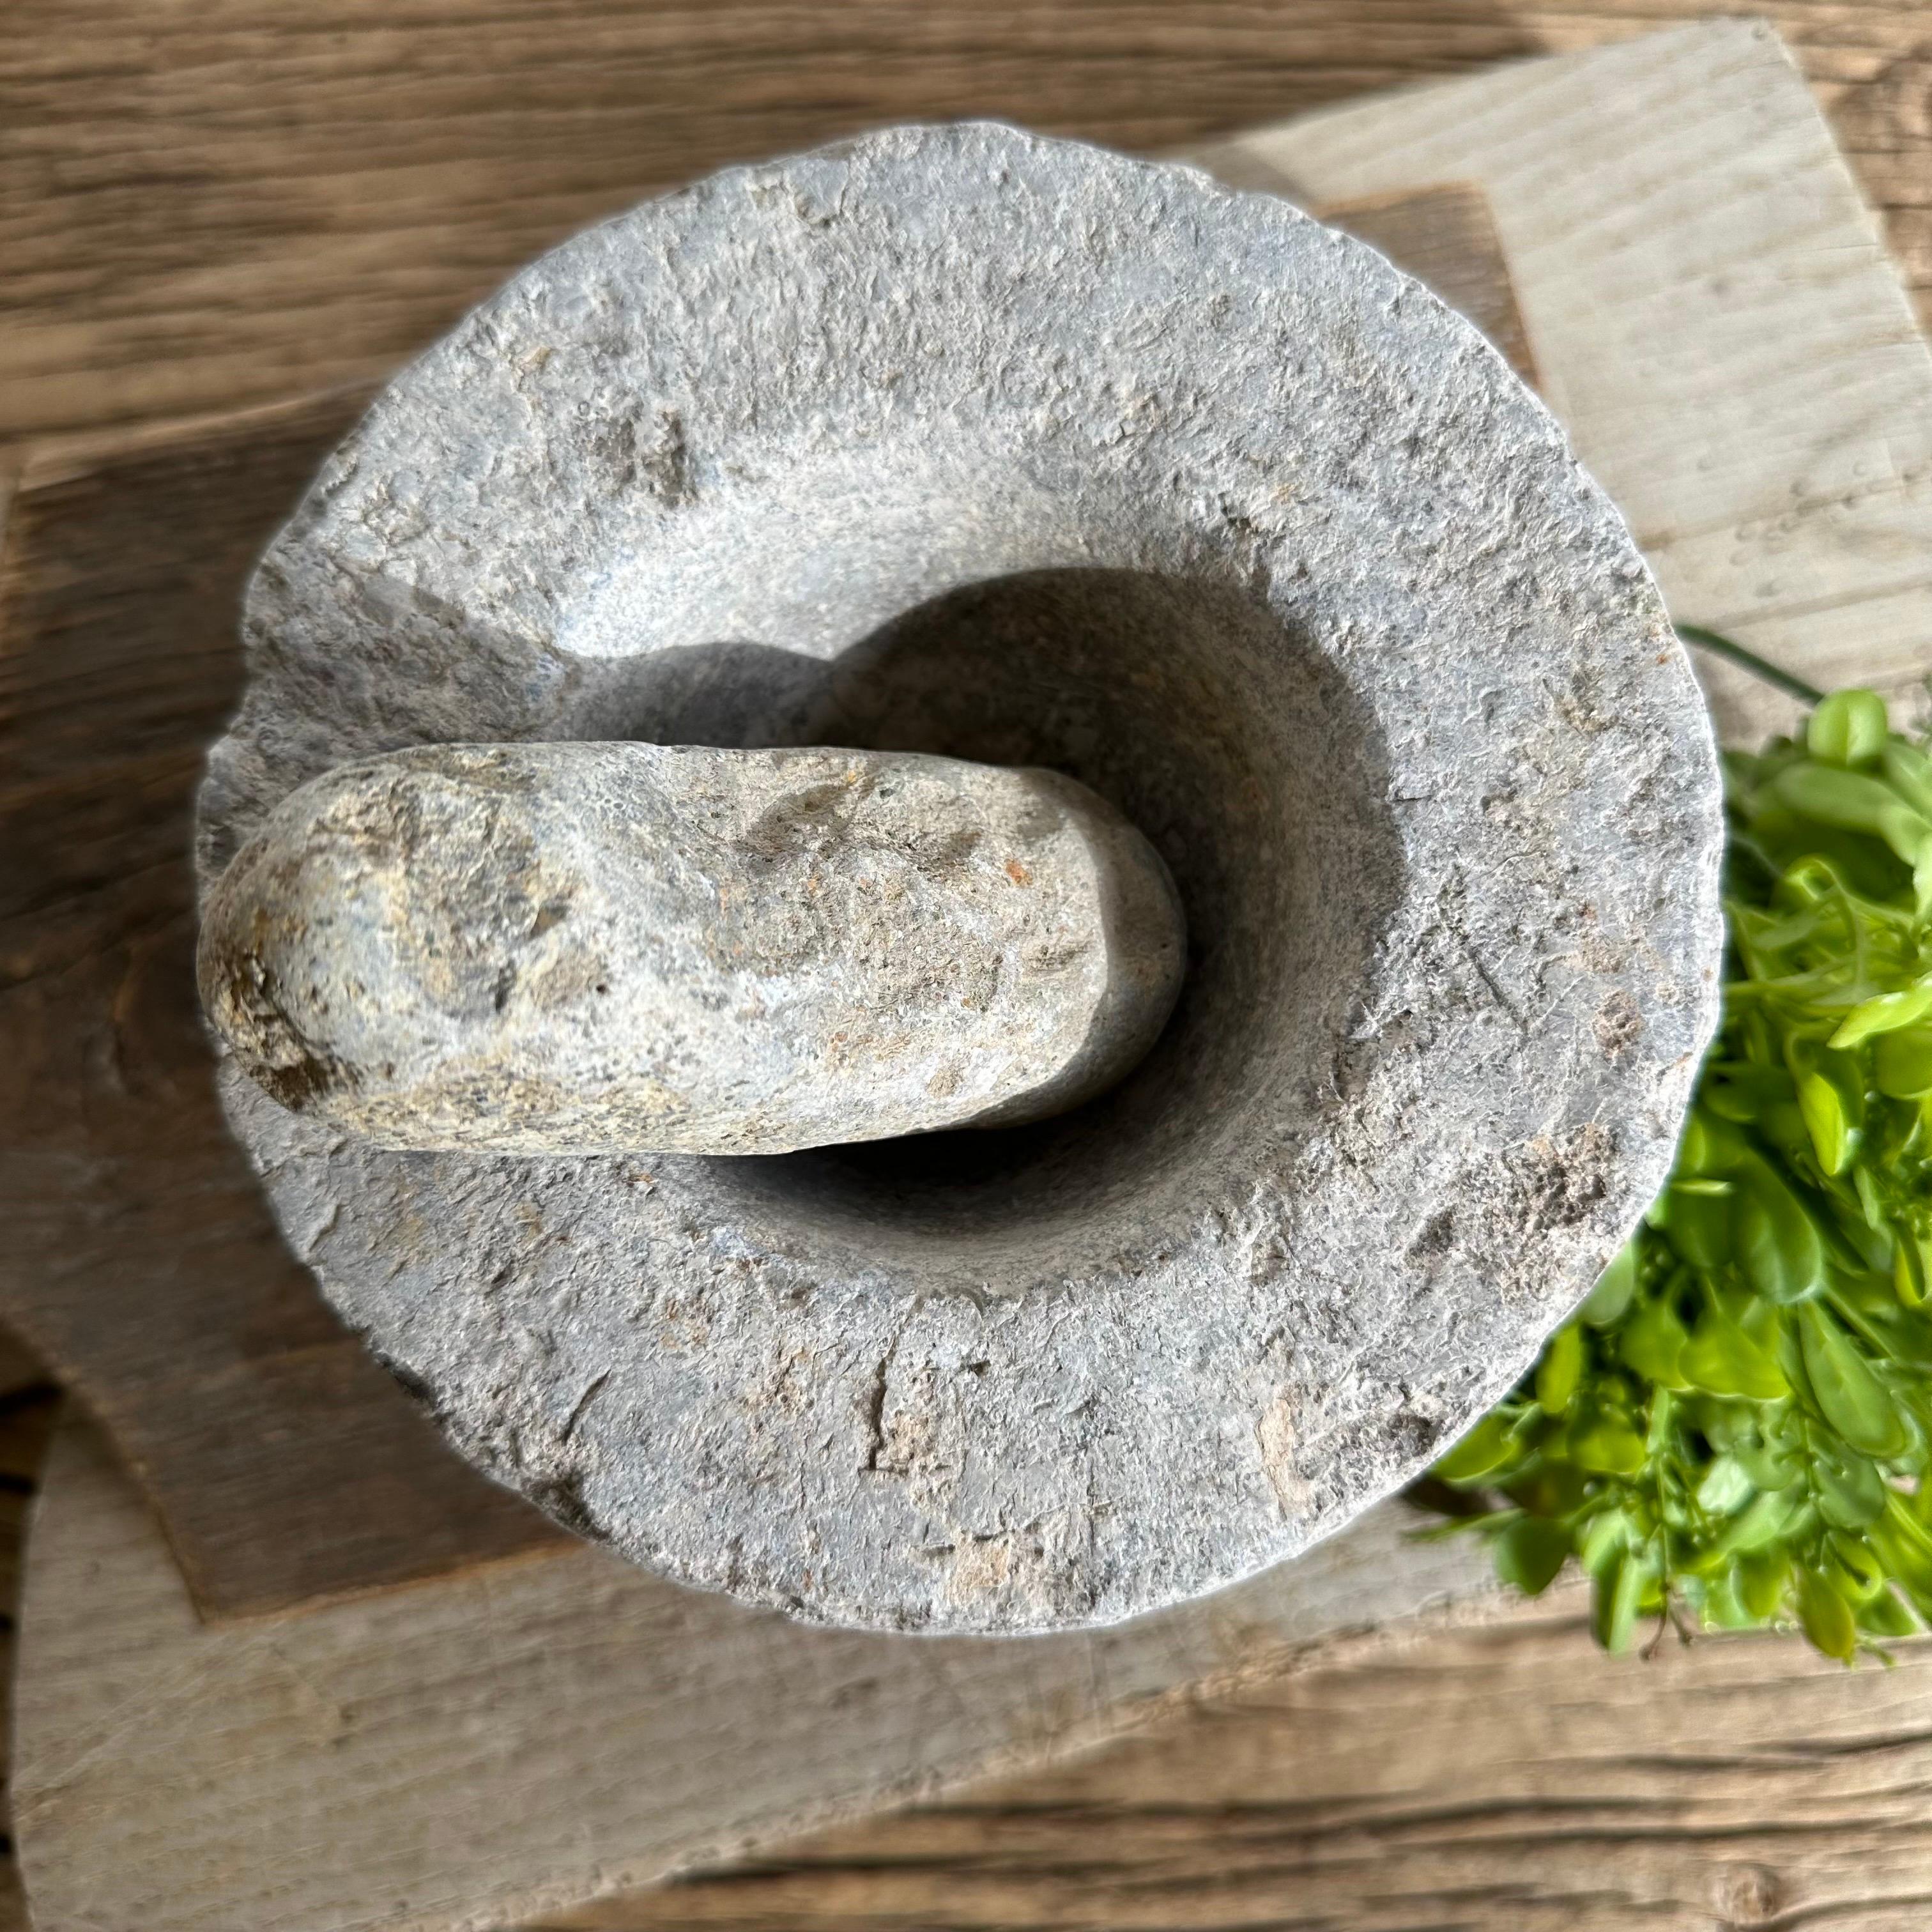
<point x="205" y="202"/>
<point x="1462" y="1780"/>
<point x="1730" y="356"/>
<point x="524" y="1738"/>
<point x="140" y="1262"/>
<point x="1485" y="1779"/>
<point x="29" y="1406"/>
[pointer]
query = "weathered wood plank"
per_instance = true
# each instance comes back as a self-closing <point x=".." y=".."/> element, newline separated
<point x="202" y="204"/>
<point x="519" y="1738"/>
<point x="1730" y="357"/>
<point x="140" y="1261"/>
<point x="1483" y="1779"/>
<point x="29" y="1407"/>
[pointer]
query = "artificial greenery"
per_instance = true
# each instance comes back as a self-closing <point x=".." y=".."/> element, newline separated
<point x="1736" y="1429"/>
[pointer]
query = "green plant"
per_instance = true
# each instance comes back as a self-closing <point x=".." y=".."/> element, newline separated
<point x="1736" y="1428"/>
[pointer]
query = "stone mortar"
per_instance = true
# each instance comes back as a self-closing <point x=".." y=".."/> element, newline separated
<point x="960" y="441"/>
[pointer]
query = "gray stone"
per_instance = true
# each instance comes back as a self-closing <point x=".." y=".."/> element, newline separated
<point x="582" y="948"/>
<point x="959" y="441"/>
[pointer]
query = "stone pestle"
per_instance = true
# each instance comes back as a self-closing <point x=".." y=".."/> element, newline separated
<point x="567" y="948"/>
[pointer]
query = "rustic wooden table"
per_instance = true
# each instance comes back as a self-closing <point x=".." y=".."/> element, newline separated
<point x="208" y="202"/>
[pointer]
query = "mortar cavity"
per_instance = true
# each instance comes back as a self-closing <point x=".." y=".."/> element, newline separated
<point x="1172" y="695"/>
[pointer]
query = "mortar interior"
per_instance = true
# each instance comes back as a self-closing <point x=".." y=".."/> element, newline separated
<point x="1236" y="746"/>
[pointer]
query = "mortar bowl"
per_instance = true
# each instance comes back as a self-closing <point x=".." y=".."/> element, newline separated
<point x="960" y="440"/>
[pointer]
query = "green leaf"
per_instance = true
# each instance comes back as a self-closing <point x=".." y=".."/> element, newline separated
<point x="1615" y="1286"/>
<point x="1548" y="1486"/>
<point x="1777" y="1243"/>
<point x="1848" y="727"/>
<point x="1870" y="1205"/>
<point x="1849" y="800"/>
<point x="1529" y="1553"/>
<point x="1487" y="1448"/>
<point x="1738" y="1092"/>
<point x="1908" y="1269"/>
<point x="1602" y="1440"/>
<point x="1767" y="1519"/>
<point x="1848" y="1396"/>
<point x="1886" y="1615"/>
<point x="1885" y="1013"/>
<point x="1720" y="1357"/>
<point x="1770" y="1465"/>
<point x="1826" y="1616"/>
<point x="1717" y="1604"/>
<point x="1560" y="1370"/>
<point x="1605" y="1537"/>
<point x="1851" y="1492"/>
<point x="1711" y="1147"/>
<point x="1852" y="802"/>
<point x="1872" y="1246"/>
<point x="1726" y="1487"/>
<point x="1653" y="1342"/>
<point x="1658" y="1438"/>
<point x="1616" y="1601"/>
<point x="1909" y="772"/>
<point x="1902" y="1546"/>
<point x="1784" y="1128"/>
<point x="1856" y="1574"/>
<point x="1760" y="1578"/>
<point x="1828" y="1120"/>
<point x="1902" y="1063"/>
<point x="1699" y="1224"/>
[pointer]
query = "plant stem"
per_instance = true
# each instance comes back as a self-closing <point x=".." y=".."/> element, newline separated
<point x="1722" y="647"/>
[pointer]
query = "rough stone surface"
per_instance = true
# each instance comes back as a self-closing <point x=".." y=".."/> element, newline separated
<point x="573" y="948"/>
<point x="961" y="441"/>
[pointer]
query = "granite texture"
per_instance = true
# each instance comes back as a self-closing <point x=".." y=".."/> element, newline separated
<point x="569" y="948"/>
<point x="959" y="441"/>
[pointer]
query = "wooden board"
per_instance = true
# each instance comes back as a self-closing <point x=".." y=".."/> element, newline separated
<point x="140" y="1263"/>
<point x="1751" y="393"/>
<point x="1493" y="1779"/>
<point x="29" y="1405"/>
<point x="528" y="1736"/>
<point x="142" y="1267"/>
<point x="205" y="202"/>
<point x="453" y="1753"/>
<point x="1500" y="1775"/>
